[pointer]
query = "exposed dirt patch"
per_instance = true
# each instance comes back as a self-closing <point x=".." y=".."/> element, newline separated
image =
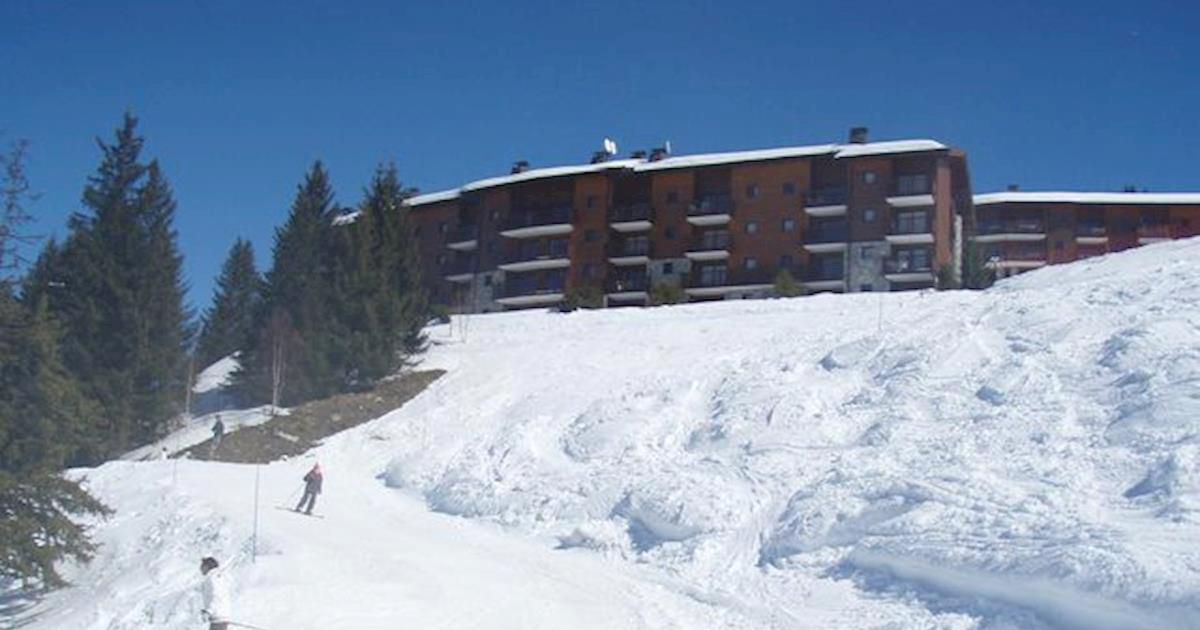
<point x="311" y="422"/>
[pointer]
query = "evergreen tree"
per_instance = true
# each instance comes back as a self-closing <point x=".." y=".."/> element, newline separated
<point x="382" y="304"/>
<point x="118" y="290"/>
<point x="41" y="414"/>
<point x="300" y="285"/>
<point x="228" y="325"/>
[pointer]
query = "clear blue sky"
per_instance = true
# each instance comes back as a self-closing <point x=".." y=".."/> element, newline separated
<point x="237" y="98"/>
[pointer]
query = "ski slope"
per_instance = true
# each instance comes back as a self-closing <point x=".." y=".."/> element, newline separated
<point x="1025" y="457"/>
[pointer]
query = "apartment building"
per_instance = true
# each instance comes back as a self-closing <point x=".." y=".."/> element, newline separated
<point x="859" y="216"/>
<point x="1018" y="231"/>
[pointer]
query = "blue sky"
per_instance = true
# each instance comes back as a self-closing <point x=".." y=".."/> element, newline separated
<point x="237" y="98"/>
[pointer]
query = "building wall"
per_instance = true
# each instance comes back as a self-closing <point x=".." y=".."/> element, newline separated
<point x="589" y="262"/>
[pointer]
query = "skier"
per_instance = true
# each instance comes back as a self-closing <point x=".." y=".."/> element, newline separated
<point x="312" y="487"/>
<point x="218" y="431"/>
<point x="215" y="589"/>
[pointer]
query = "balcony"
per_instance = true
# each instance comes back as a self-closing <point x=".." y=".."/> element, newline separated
<point x="627" y="252"/>
<point x="637" y="217"/>
<point x="628" y="287"/>
<point x="826" y="237"/>
<point x="1018" y="259"/>
<point x="911" y="230"/>
<point x="825" y="202"/>
<point x="907" y="270"/>
<point x="537" y="255"/>
<point x="714" y="209"/>
<point x="718" y="280"/>
<point x="1017" y="230"/>
<point x="538" y="222"/>
<point x="912" y="194"/>
<point x="464" y="238"/>
<point x="825" y="278"/>
<point x="709" y="246"/>
<point x="461" y="269"/>
<point x="1153" y="233"/>
<point x="532" y="291"/>
<point x="1091" y="233"/>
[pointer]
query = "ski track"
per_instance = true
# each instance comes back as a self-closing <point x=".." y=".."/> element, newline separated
<point x="1026" y="457"/>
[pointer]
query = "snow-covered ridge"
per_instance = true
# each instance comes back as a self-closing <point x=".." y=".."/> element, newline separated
<point x="1025" y="457"/>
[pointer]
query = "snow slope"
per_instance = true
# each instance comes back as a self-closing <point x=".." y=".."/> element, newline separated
<point x="1026" y="457"/>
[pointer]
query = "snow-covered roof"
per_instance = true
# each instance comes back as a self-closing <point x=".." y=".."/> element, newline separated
<point x="346" y="218"/>
<point x="433" y="197"/>
<point x="710" y="159"/>
<point x="891" y="146"/>
<point x="1086" y="197"/>
<point x="545" y="173"/>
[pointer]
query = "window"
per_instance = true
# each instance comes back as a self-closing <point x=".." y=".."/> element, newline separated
<point x="866" y="288"/>
<point x="587" y="270"/>
<point x="441" y="260"/>
<point x="789" y="188"/>
<point x="487" y="280"/>
<point x="752" y="227"/>
<point x="785" y="262"/>
<point x="869" y="177"/>
<point x="789" y="225"/>
<point x="443" y="228"/>
<point x="669" y="233"/>
<point x="713" y="275"/>
<point x="911" y="260"/>
<point x="751" y="264"/>
<point x="912" y="184"/>
<point x="589" y="236"/>
<point x="912" y="223"/>
<point x="591" y="201"/>
<point x="672" y="196"/>
<point x="668" y="268"/>
<point x="869" y="215"/>
<point x="495" y="215"/>
<point x="491" y="247"/>
<point x="752" y="191"/>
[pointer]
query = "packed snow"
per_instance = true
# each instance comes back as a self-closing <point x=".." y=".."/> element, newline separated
<point x="1025" y="457"/>
<point x="1115" y="198"/>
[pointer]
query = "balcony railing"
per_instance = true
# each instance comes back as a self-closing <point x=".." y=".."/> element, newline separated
<point x="710" y="241"/>
<point x="630" y="212"/>
<point x="905" y="265"/>
<point x="1154" y="230"/>
<point x="1022" y="255"/>
<point x="627" y="284"/>
<point x="624" y="248"/>
<point x="835" y="232"/>
<point x="517" y="286"/>
<point x="912" y="226"/>
<point x="463" y="233"/>
<point x="518" y="219"/>
<point x="720" y="276"/>
<point x="720" y="203"/>
<point x="546" y="250"/>
<point x="834" y="196"/>
<point x="824" y="274"/>
<point x="1018" y="226"/>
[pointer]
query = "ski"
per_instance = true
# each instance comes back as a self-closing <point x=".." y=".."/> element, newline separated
<point x="294" y="511"/>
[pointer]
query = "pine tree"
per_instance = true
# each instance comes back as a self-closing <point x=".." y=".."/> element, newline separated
<point x="383" y="306"/>
<point x="119" y="293"/>
<point x="299" y="284"/>
<point x="228" y="325"/>
<point x="41" y="417"/>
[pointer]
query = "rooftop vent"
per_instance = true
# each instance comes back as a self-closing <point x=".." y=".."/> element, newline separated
<point x="659" y="153"/>
<point x="519" y="166"/>
<point x="638" y="155"/>
<point x="1130" y="188"/>
<point x="1014" y="187"/>
<point x="858" y="135"/>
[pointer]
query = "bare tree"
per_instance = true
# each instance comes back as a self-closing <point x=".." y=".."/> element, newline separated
<point x="280" y="330"/>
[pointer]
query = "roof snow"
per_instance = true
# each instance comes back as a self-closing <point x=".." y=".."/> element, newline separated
<point x="1086" y="197"/>
<point x="545" y="173"/>
<point x="433" y="197"/>
<point x="836" y="150"/>
<point x="893" y="146"/>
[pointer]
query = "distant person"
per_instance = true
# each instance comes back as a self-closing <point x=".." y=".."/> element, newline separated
<point x="218" y="431"/>
<point x="217" y="600"/>
<point x="312" y="487"/>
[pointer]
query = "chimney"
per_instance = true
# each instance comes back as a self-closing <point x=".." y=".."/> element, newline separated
<point x="519" y="166"/>
<point x="638" y="155"/>
<point x="858" y="135"/>
<point x="659" y="153"/>
<point x="1014" y="187"/>
<point x="599" y="156"/>
<point x="1130" y="189"/>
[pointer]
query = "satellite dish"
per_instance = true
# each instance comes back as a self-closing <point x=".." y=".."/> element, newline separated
<point x="610" y="146"/>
